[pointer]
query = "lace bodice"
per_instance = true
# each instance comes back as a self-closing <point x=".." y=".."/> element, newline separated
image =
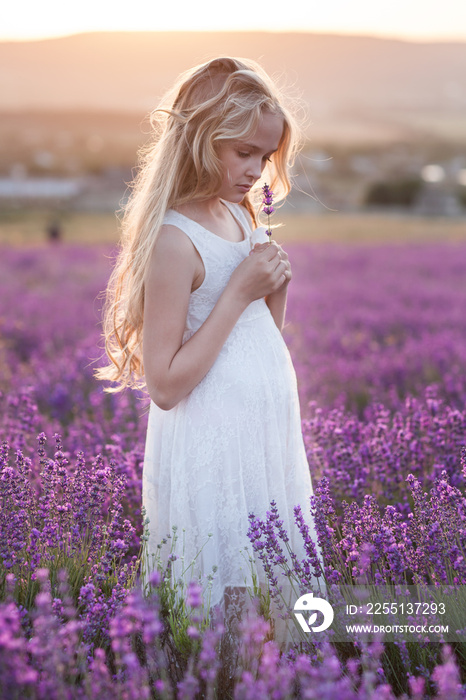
<point x="220" y="257"/>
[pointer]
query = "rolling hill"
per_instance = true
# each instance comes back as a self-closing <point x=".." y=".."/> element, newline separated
<point x="379" y="88"/>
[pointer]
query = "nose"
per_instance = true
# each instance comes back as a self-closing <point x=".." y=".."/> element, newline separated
<point x="254" y="168"/>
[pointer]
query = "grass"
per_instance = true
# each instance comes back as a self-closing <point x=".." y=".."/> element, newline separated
<point x="24" y="227"/>
<point x="370" y="228"/>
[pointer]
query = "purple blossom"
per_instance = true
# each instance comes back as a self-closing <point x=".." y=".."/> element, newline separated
<point x="267" y="201"/>
<point x="194" y="594"/>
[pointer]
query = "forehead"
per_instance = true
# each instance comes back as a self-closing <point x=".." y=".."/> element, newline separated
<point x="268" y="133"/>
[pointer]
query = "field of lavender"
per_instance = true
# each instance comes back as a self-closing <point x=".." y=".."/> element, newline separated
<point x="378" y="337"/>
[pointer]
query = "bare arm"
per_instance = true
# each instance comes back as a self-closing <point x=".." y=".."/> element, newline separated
<point x="172" y="369"/>
<point x="276" y="301"/>
<point x="277" y="305"/>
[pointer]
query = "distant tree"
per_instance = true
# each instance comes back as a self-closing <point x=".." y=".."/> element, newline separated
<point x="462" y="195"/>
<point x="389" y="193"/>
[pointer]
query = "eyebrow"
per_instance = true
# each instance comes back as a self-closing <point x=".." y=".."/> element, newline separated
<point x="248" y="145"/>
<point x="253" y="147"/>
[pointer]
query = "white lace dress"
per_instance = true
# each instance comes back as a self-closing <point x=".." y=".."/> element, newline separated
<point x="234" y="443"/>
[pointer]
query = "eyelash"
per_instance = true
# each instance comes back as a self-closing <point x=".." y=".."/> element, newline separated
<point x="246" y="155"/>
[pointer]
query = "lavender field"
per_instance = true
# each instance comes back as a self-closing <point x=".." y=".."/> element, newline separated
<point x="378" y="338"/>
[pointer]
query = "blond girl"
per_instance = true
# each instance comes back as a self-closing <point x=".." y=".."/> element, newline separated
<point x="196" y="305"/>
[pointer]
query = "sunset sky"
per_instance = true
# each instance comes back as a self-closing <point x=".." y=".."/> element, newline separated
<point x="412" y="19"/>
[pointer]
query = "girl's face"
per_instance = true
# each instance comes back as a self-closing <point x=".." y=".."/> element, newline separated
<point x="243" y="161"/>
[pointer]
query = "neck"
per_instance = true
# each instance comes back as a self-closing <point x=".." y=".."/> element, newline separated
<point x="212" y="208"/>
<point x="209" y="207"/>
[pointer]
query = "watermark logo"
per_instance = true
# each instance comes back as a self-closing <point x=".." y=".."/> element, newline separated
<point x="308" y="604"/>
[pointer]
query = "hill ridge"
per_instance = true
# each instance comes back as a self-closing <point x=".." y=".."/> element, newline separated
<point x="341" y="78"/>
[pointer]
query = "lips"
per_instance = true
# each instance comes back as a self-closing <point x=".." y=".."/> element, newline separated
<point x="244" y="188"/>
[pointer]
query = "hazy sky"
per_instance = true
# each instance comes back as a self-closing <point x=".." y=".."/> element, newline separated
<point x="414" y="19"/>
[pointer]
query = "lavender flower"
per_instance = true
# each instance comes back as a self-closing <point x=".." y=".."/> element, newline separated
<point x="268" y="209"/>
<point x="194" y="595"/>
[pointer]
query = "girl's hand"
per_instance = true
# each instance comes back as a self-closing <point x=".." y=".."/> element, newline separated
<point x="262" y="273"/>
<point x="283" y="257"/>
<point x="276" y="300"/>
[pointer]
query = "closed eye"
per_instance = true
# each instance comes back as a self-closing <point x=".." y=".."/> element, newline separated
<point x="243" y="155"/>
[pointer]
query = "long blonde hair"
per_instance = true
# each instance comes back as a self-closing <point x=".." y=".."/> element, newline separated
<point x="220" y="100"/>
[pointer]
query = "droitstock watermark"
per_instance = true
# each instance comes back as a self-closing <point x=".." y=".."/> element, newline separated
<point x="410" y="613"/>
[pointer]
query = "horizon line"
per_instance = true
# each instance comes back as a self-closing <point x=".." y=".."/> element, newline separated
<point x="416" y="39"/>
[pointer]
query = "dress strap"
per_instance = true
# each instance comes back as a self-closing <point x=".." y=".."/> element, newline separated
<point x="174" y="218"/>
<point x="254" y="236"/>
<point x="241" y="216"/>
<point x="189" y="227"/>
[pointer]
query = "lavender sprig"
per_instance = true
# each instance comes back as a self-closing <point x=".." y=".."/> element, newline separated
<point x="268" y="209"/>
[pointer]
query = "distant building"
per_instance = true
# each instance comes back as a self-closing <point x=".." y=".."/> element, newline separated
<point x="39" y="188"/>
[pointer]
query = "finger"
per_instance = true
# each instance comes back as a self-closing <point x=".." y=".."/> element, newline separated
<point x="280" y="269"/>
<point x="260" y="246"/>
<point x="264" y="254"/>
<point x="271" y="251"/>
<point x="279" y="282"/>
<point x="283" y="256"/>
<point x="281" y="274"/>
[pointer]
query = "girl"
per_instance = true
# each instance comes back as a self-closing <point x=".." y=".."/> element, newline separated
<point x="195" y="308"/>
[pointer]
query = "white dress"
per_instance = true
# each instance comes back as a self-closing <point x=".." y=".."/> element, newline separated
<point x="234" y="443"/>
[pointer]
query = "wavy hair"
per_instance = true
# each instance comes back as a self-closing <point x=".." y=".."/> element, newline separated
<point x="217" y="101"/>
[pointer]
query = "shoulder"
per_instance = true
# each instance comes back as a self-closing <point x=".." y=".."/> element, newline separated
<point x="173" y="252"/>
<point x="171" y="238"/>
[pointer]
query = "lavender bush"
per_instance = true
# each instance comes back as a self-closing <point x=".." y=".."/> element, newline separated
<point x="377" y="335"/>
<point x="376" y="324"/>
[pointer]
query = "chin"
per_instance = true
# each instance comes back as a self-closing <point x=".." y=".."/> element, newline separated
<point x="234" y="197"/>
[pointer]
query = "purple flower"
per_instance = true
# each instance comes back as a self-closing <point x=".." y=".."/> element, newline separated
<point x="268" y="209"/>
<point x="194" y="595"/>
